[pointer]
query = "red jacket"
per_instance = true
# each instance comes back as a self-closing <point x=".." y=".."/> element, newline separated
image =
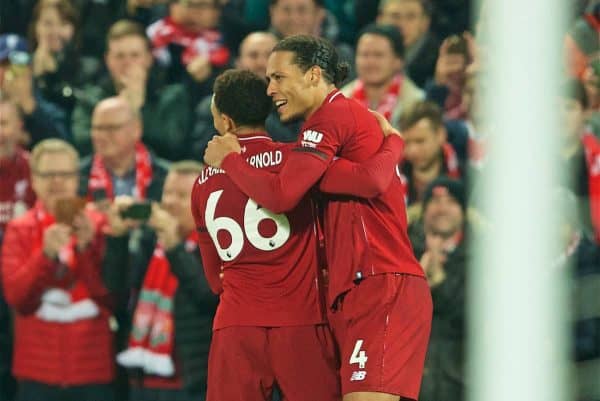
<point x="63" y="354"/>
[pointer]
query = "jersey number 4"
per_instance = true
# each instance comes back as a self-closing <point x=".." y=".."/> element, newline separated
<point x="253" y="215"/>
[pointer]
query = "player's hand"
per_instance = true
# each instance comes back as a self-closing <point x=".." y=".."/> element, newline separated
<point x="385" y="125"/>
<point x="219" y="147"/>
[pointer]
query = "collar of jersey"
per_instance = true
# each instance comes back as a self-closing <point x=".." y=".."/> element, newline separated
<point x="259" y="135"/>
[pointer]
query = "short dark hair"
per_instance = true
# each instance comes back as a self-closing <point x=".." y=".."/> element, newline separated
<point x="242" y="95"/>
<point x="425" y="4"/>
<point x="390" y="32"/>
<point x="124" y="28"/>
<point x="574" y="89"/>
<point x="311" y="51"/>
<point x="421" y="110"/>
<point x="318" y="3"/>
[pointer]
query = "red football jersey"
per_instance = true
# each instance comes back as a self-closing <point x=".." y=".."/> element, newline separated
<point x="363" y="236"/>
<point x="270" y="263"/>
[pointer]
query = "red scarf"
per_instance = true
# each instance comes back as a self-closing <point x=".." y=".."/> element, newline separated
<point x="208" y="43"/>
<point x="100" y="178"/>
<point x="152" y="335"/>
<point x="67" y="300"/>
<point x="591" y="145"/>
<point x="389" y="100"/>
<point x="450" y="164"/>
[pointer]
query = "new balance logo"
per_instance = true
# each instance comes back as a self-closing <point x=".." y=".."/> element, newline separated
<point x="358" y="376"/>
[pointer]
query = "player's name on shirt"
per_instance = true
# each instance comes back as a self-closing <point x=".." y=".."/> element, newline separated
<point x="209" y="172"/>
<point x="266" y="159"/>
<point x="259" y="160"/>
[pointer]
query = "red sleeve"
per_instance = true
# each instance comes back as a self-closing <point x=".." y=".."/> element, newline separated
<point x="278" y="192"/>
<point x="367" y="179"/>
<point x="211" y="263"/>
<point x="25" y="274"/>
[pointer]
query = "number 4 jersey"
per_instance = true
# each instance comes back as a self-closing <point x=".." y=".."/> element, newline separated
<point x="271" y="274"/>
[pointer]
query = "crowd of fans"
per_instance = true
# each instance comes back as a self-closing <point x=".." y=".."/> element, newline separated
<point x="107" y="102"/>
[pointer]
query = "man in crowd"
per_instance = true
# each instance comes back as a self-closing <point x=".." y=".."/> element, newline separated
<point x="440" y="241"/>
<point x="167" y="352"/>
<point x="16" y="196"/>
<point x="427" y="154"/>
<point x="381" y="85"/>
<point x="253" y="55"/>
<point x="305" y="17"/>
<point x="165" y="109"/>
<point x="413" y="19"/>
<point x="189" y="44"/>
<point x="303" y="72"/>
<point x="121" y="163"/>
<point x="51" y="277"/>
<point x="42" y="119"/>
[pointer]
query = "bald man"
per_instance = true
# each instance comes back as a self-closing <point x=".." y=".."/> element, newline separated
<point x="121" y="164"/>
<point x="254" y="52"/>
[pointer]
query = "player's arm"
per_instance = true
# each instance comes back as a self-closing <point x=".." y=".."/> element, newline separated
<point x="282" y="191"/>
<point x="369" y="178"/>
<point x="211" y="262"/>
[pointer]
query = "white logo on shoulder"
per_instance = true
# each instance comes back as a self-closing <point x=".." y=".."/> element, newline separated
<point x="311" y="138"/>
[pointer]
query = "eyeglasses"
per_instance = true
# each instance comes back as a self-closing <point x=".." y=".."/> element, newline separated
<point x="56" y="174"/>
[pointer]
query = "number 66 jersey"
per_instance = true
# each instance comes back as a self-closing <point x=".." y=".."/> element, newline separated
<point x="270" y="265"/>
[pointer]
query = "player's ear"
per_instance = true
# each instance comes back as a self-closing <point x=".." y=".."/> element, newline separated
<point x="314" y="76"/>
<point x="228" y="123"/>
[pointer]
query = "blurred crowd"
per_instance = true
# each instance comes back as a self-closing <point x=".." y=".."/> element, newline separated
<point x="104" y="119"/>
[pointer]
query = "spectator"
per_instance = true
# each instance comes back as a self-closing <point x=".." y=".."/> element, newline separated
<point x="307" y="17"/>
<point x="381" y="85"/>
<point x="440" y="240"/>
<point x="165" y="110"/>
<point x="51" y="259"/>
<point x="188" y="43"/>
<point x="458" y="59"/>
<point x="580" y="151"/>
<point x="57" y="68"/>
<point x="413" y="20"/>
<point x="16" y="194"/>
<point x="582" y="41"/>
<point x="42" y="119"/>
<point x="468" y="136"/>
<point x="427" y="155"/>
<point x="253" y="55"/>
<point x="177" y="368"/>
<point x="121" y="164"/>
<point x="580" y="255"/>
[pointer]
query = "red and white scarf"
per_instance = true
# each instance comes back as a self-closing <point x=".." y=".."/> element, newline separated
<point x="151" y="343"/>
<point x="389" y="100"/>
<point x="68" y="300"/>
<point x="100" y="178"/>
<point x="591" y="145"/>
<point x="450" y="164"/>
<point x="208" y="43"/>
